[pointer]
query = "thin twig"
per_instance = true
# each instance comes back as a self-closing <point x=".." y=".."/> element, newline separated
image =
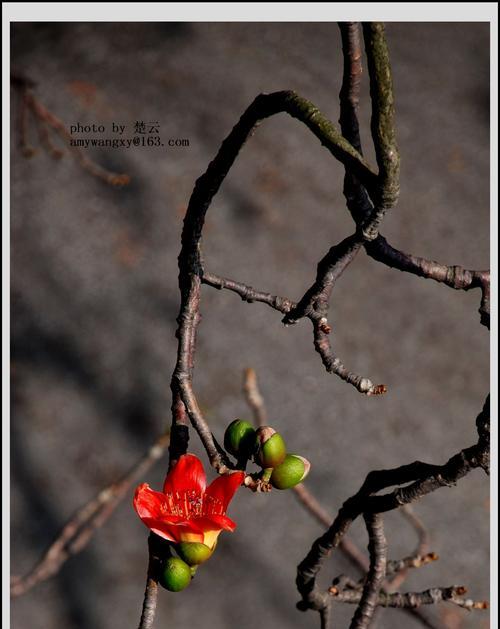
<point x="321" y="329"/>
<point x="420" y="555"/>
<point x="256" y="403"/>
<point x="253" y="396"/>
<point x="453" y="276"/>
<point x="397" y="566"/>
<point x="422" y="478"/>
<point x="346" y="546"/>
<point x="78" y="531"/>
<point x="46" y="119"/>
<point x="412" y="600"/>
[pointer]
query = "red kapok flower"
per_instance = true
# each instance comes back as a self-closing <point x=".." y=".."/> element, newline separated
<point x="186" y="510"/>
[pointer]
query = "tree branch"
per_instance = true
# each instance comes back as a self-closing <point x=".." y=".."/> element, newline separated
<point x="423" y="479"/>
<point x="412" y="600"/>
<point x="377" y="547"/>
<point x="78" y="531"/>
<point x="45" y="119"/>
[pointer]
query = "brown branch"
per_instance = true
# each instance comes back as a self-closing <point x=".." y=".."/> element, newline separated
<point x="346" y="546"/>
<point x="256" y="403"/>
<point x="316" y="299"/>
<point x="253" y="397"/>
<point x="78" y="531"/>
<point x="382" y="126"/>
<point x="356" y="196"/>
<point x="46" y="119"/>
<point x="334" y="365"/>
<point x="422" y="478"/>
<point x="359" y="203"/>
<point x="377" y="547"/>
<point x="155" y="546"/>
<point x="364" y="187"/>
<point x="453" y="276"/>
<point x="321" y="329"/>
<point x="397" y="566"/>
<point x="412" y="600"/>
<point x="330" y="268"/>
<point x="191" y="266"/>
<point x="420" y="555"/>
<point x="386" y="192"/>
<point x="248" y="293"/>
<point x="190" y="262"/>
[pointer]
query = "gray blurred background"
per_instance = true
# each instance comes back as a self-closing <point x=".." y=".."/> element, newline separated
<point x="94" y="301"/>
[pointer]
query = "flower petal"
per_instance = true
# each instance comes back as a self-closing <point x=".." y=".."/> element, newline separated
<point x="215" y="522"/>
<point x="212" y="527"/>
<point x="221" y="491"/>
<point x="174" y="532"/>
<point x="148" y="503"/>
<point x="187" y="475"/>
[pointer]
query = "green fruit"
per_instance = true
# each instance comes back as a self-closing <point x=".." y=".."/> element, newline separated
<point x="291" y="472"/>
<point x="239" y="438"/>
<point x="271" y="448"/>
<point x="193" y="553"/>
<point x="176" y="575"/>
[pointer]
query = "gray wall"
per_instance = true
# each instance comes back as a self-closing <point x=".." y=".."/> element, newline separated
<point x="94" y="301"/>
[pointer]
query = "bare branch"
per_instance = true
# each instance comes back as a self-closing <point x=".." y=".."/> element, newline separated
<point x="253" y="397"/>
<point x="420" y="555"/>
<point x="78" y="531"/>
<point x="346" y="546"/>
<point x="321" y="329"/>
<point x="382" y="126"/>
<point x="423" y="479"/>
<point x="377" y="547"/>
<point x="46" y="119"/>
<point x="155" y="549"/>
<point x="256" y="402"/>
<point x="413" y="561"/>
<point x="412" y="600"/>
<point x="453" y="276"/>
<point x="247" y="293"/>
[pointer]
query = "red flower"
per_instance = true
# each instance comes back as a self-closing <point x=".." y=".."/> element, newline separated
<point x="187" y="511"/>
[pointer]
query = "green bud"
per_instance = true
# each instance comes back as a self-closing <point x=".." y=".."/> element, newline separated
<point x="291" y="472"/>
<point x="271" y="449"/>
<point x="176" y="575"/>
<point x="239" y="438"/>
<point x="193" y="553"/>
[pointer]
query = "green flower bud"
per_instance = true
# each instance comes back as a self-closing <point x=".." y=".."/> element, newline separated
<point x="291" y="472"/>
<point x="239" y="438"/>
<point x="176" y="575"/>
<point x="193" y="553"/>
<point x="271" y="449"/>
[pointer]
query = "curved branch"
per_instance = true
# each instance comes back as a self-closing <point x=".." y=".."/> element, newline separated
<point x="423" y="478"/>
<point x="79" y="530"/>
<point x="190" y="259"/>
<point x="453" y="276"/>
